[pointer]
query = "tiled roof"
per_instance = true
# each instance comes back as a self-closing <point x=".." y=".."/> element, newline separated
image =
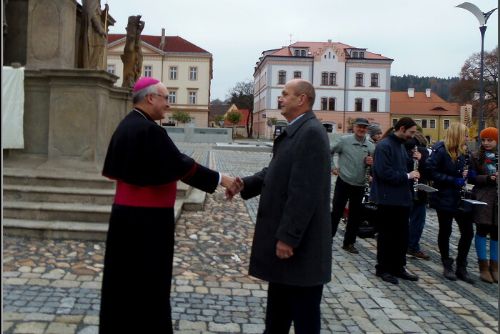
<point x="217" y="109"/>
<point x="316" y="47"/>
<point x="420" y="104"/>
<point x="243" y="120"/>
<point x="172" y="43"/>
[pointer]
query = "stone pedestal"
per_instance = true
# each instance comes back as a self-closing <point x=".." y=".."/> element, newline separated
<point x="71" y="114"/>
<point x="51" y="34"/>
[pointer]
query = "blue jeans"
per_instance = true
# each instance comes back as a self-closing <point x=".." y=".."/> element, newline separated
<point x="416" y="227"/>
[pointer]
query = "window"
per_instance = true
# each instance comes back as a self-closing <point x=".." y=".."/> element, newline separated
<point x="361" y="54"/>
<point x="303" y="53"/>
<point x="296" y="53"/>
<point x="358" y="104"/>
<point x="332" y="79"/>
<point x="324" y="101"/>
<point x="193" y="73"/>
<point x="446" y="124"/>
<point x="324" y="78"/>
<point x="432" y="123"/>
<point x="281" y="77"/>
<point x="355" y="54"/>
<point x="297" y="75"/>
<point x="172" y="73"/>
<point x="394" y="121"/>
<point x="331" y="103"/>
<point x="112" y="68"/>
<point x="374" y="80"/>
<point x="359" y="79"/>
<point x="172" y="96"/>
<point x="148" y="70"/>
<point x="279" y="103"/>
<point x="192" y="98"/>
<point x="373" y="105"/>
<point x="424" y="124"/>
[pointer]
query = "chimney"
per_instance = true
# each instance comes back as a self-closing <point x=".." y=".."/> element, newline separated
<point x="162" y="41"/>
<point x="330" y="41"/>
<point x="428" y="92"/>
<point x="411" y="92"/>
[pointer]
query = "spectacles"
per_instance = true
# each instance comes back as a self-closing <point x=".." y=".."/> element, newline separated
<point x="164" y="96"/>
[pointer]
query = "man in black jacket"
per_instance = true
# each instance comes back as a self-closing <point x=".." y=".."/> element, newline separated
<point x="391" y="191"/>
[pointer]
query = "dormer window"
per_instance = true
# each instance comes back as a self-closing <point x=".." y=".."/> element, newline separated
<point x="355" y="54"/>
<point x="300" y="52"/>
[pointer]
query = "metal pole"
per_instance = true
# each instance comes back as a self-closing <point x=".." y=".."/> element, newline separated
<point x="481" y="86"/>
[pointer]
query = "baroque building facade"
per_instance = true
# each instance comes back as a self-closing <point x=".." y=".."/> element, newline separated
<point x="184" y="68"/>
<point x="350" y="82"/>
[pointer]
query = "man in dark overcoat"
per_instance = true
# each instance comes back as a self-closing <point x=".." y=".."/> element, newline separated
<point x="292" y="243"/>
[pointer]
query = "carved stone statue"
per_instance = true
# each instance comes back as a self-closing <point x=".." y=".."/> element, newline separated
<point x="132" y="53"/>
<point x="94" y="27"/>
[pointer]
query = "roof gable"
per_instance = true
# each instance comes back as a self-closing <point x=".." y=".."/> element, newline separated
<point x="420" y="104"/>
<point x="172" y="43"/>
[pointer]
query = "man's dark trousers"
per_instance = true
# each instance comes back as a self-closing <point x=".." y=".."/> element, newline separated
<point x="344" y="192"/>
<point x="287" y="303"/>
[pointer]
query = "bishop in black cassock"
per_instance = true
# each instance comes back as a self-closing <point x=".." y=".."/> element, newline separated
<point x="146" y="166"/>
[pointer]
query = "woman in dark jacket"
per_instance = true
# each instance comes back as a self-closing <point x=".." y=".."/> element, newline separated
<point x="447" y="166"/>
<point x="484" y="176"/>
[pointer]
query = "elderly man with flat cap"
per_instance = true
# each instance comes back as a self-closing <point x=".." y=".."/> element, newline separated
<point x="354" y="153"/>
<point x="146" y="166"/>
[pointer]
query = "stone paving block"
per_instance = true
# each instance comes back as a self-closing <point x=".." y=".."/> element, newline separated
<point x="39" y="317"/>
<point x="14" y="281"/>
<point x="61" y="328"/>
<point x="408" y="326"/>
<point x="253" y="328"/>
<point x="69" y="319"/>
<point x="193" y="325"/>
<point x="65" y="284"/>
<point x="89" y="330"/>
<point x="224" y="328"/>
<point x="30" y="327"/>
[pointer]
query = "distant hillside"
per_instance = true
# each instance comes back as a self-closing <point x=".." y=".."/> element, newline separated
<point x="440" y="86"/>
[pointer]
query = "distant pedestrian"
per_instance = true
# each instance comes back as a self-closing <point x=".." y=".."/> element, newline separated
<point x="391" y="191"/>
<point x="292" y="243"/>
<point x="375" y="133"/>
<point x="355" y="155"/>
<point x="484" y="176"/>
<point x="146" y="166"/>
<point x="448" y="165"/>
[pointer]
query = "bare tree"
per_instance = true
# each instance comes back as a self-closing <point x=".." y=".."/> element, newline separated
<point x="242" y="96"/>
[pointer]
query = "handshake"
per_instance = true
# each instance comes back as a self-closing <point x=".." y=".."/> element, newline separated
<point x="233" y="185"/>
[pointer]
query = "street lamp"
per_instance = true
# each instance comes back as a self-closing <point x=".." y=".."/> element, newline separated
<point x="482" y="18"/>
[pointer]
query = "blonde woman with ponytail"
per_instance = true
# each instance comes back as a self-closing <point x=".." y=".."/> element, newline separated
<point x="447" y="166"/>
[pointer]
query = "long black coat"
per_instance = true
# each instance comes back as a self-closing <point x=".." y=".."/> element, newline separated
<point x="294" y="207"/>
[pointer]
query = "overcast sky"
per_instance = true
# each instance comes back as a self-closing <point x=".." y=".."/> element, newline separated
<point x="424" y="37"/>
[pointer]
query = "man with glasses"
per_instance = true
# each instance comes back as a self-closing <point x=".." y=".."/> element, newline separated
<point x="146" y="166"/>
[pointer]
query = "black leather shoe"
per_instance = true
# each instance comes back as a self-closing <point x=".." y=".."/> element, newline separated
<point x="407" y="276"/>
<point x="388" y="278"/>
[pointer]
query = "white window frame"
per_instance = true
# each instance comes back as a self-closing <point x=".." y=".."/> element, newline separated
<point x="111" y="68"/>
<point x="432" y="124"/>
<point x="374" y="78"/>
<point x="355" y="102"/>
<point x="148" y="70"/>
<point x="376" y="105"/>
<point x="281" y="75"/>
<point x="172" y="73"/>
<point x="172" y="96"/>
<point x="192" y="97"/>
<point x="193" y="73"/>
<point x="446" y="123"/>
<point x="362" y="79"/>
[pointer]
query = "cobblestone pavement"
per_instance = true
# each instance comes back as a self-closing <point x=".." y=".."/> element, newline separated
<point x="53" y="286"/>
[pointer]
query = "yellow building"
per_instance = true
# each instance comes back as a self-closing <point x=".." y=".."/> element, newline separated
<point x="428" y="110"/>
<point x="184" y="68"/>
